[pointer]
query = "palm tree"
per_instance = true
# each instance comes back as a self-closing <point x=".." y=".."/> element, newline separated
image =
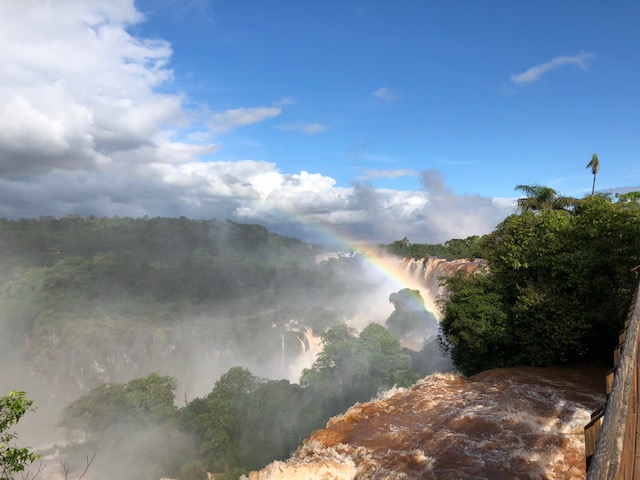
<point x="594" y="165"/>
<point x="539" y="198"/>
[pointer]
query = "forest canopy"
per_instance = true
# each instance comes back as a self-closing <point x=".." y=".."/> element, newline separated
<point x="556" y="290"/>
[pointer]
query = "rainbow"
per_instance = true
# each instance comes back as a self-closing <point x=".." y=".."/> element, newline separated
<point x="385" y="265"/>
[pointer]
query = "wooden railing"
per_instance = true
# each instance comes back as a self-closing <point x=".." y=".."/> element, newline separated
<point x="610" y="437"/>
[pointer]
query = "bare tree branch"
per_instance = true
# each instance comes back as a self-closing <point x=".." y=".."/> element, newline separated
<point x="89" y="462"/>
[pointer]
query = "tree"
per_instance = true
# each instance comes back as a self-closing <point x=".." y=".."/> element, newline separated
<point x="13" y="460"/>
<point x="539" y="198"/>
<point x="247" y="422"/>
<point x="353" y="368"/>
<point x="399" y="247"/>
<point x="388" y="365"/>
<point x="152" y="398"/>
<point x="594" y="165"/>
<point x="221" y="423"/>
<point x="139" y="403"/>
<point x="338" y="364"/>
<point x="474" y="327"/>
<point x="629" y="197"/>
<point x="556" y="291"/>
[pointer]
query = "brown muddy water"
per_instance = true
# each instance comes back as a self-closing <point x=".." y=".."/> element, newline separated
<point x="512" y="423"/>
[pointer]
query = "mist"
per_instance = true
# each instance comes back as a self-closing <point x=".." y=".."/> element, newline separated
<point x="91" y="301"/>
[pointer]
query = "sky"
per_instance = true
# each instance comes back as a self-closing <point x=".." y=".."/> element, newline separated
<point x="362" y="120"/>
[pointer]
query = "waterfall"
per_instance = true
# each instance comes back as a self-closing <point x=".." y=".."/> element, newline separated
<point x="428" y="273"/>
<point x="303" y="347"/>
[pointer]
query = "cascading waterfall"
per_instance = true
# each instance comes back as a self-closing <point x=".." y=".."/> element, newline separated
<point x="408" y="274"/>
<point x="310" y="346"/>
<point x="428" y="273"/>
<point x="416" y="274"/>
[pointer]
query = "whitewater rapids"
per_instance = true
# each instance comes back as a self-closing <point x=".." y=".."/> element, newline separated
<point x="512" y="423"/>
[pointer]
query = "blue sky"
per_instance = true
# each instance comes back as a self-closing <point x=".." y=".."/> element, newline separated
<point x="443" y="72"/>
<point x="374" y="120"/>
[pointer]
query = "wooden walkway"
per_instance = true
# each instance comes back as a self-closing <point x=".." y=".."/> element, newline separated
<point x="612" y="438"/>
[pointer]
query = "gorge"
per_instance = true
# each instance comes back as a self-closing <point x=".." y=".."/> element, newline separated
<point x="84" y="317"/>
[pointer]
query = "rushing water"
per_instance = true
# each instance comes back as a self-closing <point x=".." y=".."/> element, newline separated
<point x="516" y="423"/>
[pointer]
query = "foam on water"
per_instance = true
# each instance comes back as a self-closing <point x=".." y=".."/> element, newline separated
<point x="523" y="423"/>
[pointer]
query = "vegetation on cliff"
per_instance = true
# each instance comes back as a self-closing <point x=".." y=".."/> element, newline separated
<point x="451" y="249"/>
<point x="91" y="302"/>
<point x="245" y="421"/>
<point x="85" y="300"/>
<point x="556" y="290"/>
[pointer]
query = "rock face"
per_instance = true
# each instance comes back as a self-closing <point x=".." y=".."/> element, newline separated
<point x="429" y="271"/>
<point x="517" y="423"/>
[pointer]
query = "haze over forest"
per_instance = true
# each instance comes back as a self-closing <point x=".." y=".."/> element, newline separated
<point x="92" y="302"/>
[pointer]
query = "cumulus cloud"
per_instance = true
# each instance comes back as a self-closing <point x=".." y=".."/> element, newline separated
<point x="434" y="214"/>
<point x="385" y="94"/>
<point x="87" y="127"/>
<point x="533" y="74"/>
<point x="308" y="128"/>
<point x="76" y="87"/>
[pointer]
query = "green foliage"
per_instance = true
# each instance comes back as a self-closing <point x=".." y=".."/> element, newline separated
<point x="475" y="330"/>
<point x="387" y="364"/>
<point x="22" y="299"/>
<point x="556" y="292"/>
<point x="226" y="402"/>
<point x="86" y="259"/>
<point x="539" y="198"/>
<point x="142" y="402"/>
<point x="247" y="422"/>
<point x="353" y="368"/>
<point x="629" y="197"/>
<point x="13" y="460"/>
<point x="452" y="249"/>
<point x="152" y="398"/>
<point x="48" y="239"/>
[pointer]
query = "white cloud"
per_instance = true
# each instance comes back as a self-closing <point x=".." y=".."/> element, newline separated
<point x="86" y="126"/>
<point x="534" y="73"/>
<point x="308" y="128"/>
<point x="239" y="117"/>
<point x="385" y="94"/>
<point x="76" y="88"/>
